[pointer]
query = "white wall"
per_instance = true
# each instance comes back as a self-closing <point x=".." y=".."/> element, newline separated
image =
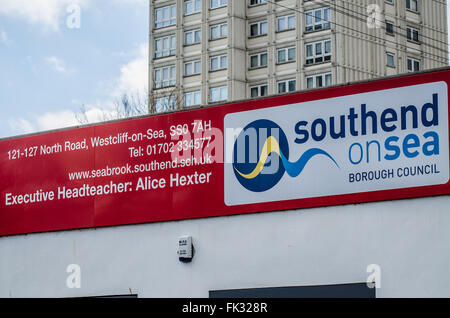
<point x="409" y="239"/>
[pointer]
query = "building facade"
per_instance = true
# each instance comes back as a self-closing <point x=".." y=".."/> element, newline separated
<point x="329" y="232"/>
<point x="212" y="51"/>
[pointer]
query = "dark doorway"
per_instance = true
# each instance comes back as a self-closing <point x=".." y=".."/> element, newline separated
<point x="355" y="290"/>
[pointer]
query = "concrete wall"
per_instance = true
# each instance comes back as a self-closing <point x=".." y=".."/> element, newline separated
<point x="409" y="239"/>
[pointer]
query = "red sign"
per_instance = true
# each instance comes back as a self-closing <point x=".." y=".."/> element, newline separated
<point x="151" y="169"/>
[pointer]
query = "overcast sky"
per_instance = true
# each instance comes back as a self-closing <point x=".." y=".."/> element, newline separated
<point x="51" y="62"/>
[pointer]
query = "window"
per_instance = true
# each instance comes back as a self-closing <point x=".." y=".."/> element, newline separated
<point x="218" y="31"/>
<point x="259" y="90"/>
<point x="218" y="3"/>
<point x="165" y="46"/>
<point x="389" y="28"/>
<point x="318" y="19"/>
<point x="390" y="59"/>
<point x="256" y="2"/>
<point x="390" y="1"/>
<point x="286" y="55"/>
<point x="192" y="98"/>
<point x="413" y="65"/>
<point x="164" y="104"/>
<point x="287" y="86"/>
<point x="192" y="67"/>
<point x="192" y="37"/>
<point x="318" y="52"/>
<point x="165" y="16"/>
<point x="286" y="23"/>
<point x="218" y="62"/>
<point x="319" y="80"/>
<point x="192" y="6"/>
<point x="258" y="60"/>
<point x="259" y="28"/>
<point x="217" y="94"/>
<point x="412" y="5"/>
<point x="412" y="34"/>
<point x="165" y="76"/>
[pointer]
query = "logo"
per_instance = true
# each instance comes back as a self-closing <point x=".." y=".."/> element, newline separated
<point x="261" y="156"/>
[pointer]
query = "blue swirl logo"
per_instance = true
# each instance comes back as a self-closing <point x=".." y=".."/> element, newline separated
<point x="261" y="156"/>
